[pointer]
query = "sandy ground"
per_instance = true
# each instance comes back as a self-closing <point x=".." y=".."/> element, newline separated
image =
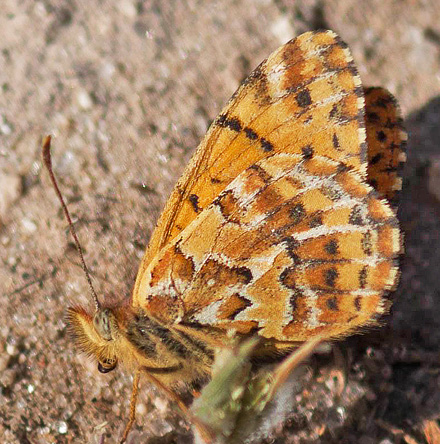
<point x="127" y="89"/>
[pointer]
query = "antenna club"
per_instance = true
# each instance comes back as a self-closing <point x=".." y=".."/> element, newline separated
<point x="46" y="148"/>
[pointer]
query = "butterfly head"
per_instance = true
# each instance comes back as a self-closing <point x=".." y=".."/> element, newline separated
<point x="96" y="335"/>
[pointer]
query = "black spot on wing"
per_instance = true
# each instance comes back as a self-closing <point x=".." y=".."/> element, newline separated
<point x="332" y="304"/>
<point x="194" y="199"/>
<point x="330" y="276"/>
<point x="331" y="247"/>
<point x="315" y="221"/>
<point x="363" y="273"/>
<point x="297" y="213"/>
<point x="266" y="145"/>
<point x="381" y="136"/>
<point x="335" y="141"/>
<point x="376" y="158"/>
<point x="245" y="273"/>
<point x="355" y="217"/>
<point x="233" y="123"/>
<point x="303" y="98"/>
<point x="307" y="152"/>
<point x="250" y="133"/>
<point x="367" y="243"/>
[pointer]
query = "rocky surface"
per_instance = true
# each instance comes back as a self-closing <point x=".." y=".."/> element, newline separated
<point x="128" y="89"/>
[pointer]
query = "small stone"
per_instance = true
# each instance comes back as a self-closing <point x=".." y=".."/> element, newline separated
<point x="127" y="8"/>
<point x="29" y="225"/>
<point x="11" y="350"/>
<point x="62" y="428"/>
<point x="84" y="100"/>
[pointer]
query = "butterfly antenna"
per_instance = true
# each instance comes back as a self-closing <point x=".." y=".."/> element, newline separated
<point x="48" y="163"/>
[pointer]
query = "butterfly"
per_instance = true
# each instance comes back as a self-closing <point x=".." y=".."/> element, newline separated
<point x="280" y="227"/>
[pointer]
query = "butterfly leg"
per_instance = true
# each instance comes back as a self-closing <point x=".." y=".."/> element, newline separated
<point x="283" y="371"/>
<point x="133" y="402"/>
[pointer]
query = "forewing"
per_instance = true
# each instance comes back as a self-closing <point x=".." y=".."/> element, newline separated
<point x="306" y="98"/>
<point x="295" y="246"/>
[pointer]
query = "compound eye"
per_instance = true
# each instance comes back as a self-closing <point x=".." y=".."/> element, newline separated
<point x="103" y="322"/>
<point x="107" y="365"/>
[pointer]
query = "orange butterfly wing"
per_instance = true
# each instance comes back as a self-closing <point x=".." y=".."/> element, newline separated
<point x="305" y="98"/>
<point x="293" y="247"/>
<point x="386" y="143"/>
<point x="273" y="226"/>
